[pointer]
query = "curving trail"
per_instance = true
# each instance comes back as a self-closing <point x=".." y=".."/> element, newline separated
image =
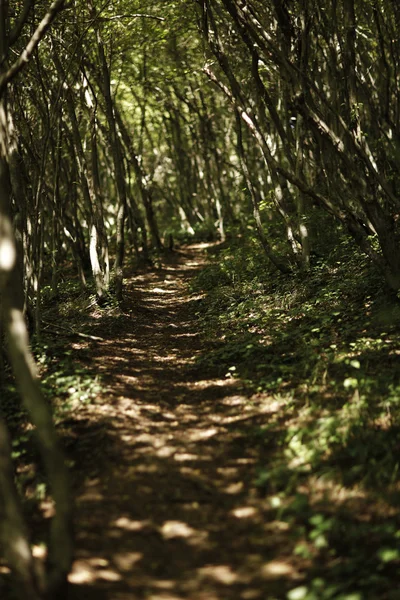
<point x="166" y="504"/>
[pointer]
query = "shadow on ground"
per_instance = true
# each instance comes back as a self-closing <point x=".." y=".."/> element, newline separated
<point x="170" y="510"/>
<point x="174" y="498"/>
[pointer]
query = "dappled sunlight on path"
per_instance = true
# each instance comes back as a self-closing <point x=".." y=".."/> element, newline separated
<point x="168" y="509"/>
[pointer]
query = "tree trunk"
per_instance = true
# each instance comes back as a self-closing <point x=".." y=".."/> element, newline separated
<point x="11" y="292"/>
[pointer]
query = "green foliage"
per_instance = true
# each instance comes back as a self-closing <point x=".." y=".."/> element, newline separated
<point x="203" y="231"/>
<point x="239" y="271"/>
<point x="65" y="383"/>
<point x="10" y="406"/>
<point x="323" y="348"/>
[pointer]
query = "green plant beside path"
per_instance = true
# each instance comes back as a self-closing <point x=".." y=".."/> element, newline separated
<point x="324" y="349"/>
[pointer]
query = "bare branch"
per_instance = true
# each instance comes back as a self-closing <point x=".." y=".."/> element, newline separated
<point x="134" y="16"/>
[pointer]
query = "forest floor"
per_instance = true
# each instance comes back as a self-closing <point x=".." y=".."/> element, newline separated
<point x="245" y="454"/>
<point x="166" y="504"/>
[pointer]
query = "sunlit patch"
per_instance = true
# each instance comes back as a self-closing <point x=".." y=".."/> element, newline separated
<point x="166" y="451"/>
<point x="186" y="456"/>
<point x="195" y="297"/>
<point x="234" y="488"/>
<point x="169" y="415"/>
<point x="187" y="417"/>
<point x="233" y="400"/>
<point x="219" y="573"/>
<point x="174" y="529"/>
<point x="91" y="570"/>
<point x="228" y="471"/>
<point x="109" y="575"/>
<point x="206" y="383"/>
<point x="98" y="562"/>
<point x="322" y="488"/>
<point x="245" y="512"/>
<point x="7" y="255"/>
<point x="169" y="358"/>
<point x="126" y="560"/>
<point x="150" y="468"/>
<point x="197" y="436"/>
<point x="158" y="290"/>
<point x="164" y="584"/>
<point x="48" y="509"/>
<point x="185" y="335"/>
<point x="130" y="524"/>
<point x="129" y="379"/>
<point x="277" y="568"/>
<point x="145" y="438"/>
<point x="202" y="246"/>
<point x="91" y="494"/>
<point x="227" y="420"/>
<point x="4" y="570"/>
<point x="178" y="529"/>
<point x="96" y="315"/>
<point x="278" y="526"/>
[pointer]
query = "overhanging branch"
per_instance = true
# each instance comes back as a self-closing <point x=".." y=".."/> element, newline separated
<point x="24" y="57"/>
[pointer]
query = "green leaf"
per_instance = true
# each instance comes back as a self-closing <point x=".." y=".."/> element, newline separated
<point x="350" y="382"/>
<point x="388" y="554"/>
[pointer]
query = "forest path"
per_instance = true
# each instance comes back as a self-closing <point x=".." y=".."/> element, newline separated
<point x="166" y="506"/>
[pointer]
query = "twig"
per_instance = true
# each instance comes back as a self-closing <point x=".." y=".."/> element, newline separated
<point x="72" y="332"/>
<point x="134" y="16"/>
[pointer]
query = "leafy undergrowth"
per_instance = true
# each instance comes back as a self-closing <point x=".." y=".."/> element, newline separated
<point x="324" y="348"/>
<point x="69" y="383"/>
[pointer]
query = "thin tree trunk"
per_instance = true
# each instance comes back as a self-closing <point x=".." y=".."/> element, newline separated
<point x="144" y="192"/>
<point x="278" y="262"/>
<point x="116" y="151"/>
<point x="11" y="292"/>
<point x="13" y="532"/>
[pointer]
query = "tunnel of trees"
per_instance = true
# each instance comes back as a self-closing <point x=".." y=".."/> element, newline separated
<point x="128" y="128"/>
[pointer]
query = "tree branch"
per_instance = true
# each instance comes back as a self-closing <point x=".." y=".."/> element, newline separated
<point x="23" y="17"/>
<point x="40" y="32"/>
<point x="134" y="16"/>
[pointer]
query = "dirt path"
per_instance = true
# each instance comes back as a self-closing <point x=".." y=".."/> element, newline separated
<point x="167" y="508"/>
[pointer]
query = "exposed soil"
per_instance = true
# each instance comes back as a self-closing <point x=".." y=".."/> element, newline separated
<point x="166" y="504"/>
<point x="190" y="486"/>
